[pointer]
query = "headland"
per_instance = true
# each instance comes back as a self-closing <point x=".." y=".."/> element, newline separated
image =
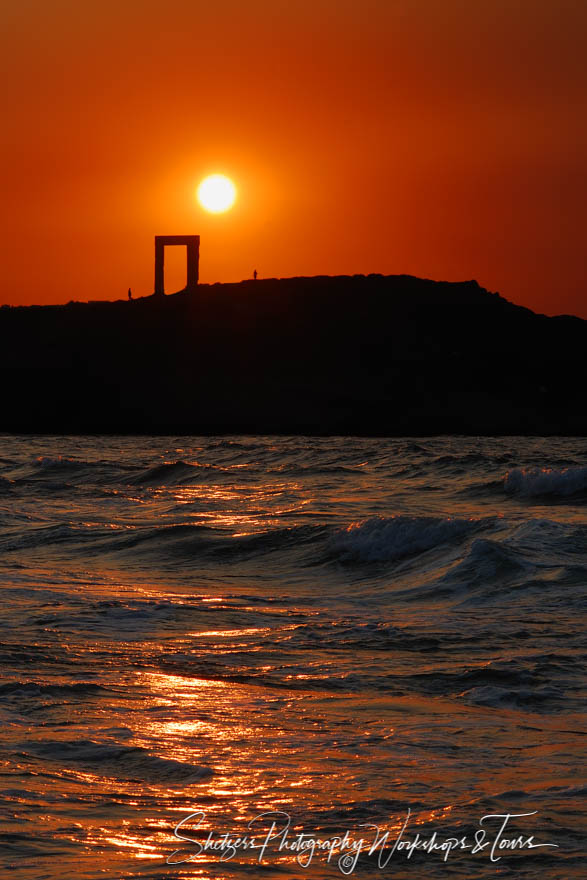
<point x="362" y="355"/>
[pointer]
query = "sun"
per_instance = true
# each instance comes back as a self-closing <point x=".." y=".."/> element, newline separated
<point x="216" y="193"/>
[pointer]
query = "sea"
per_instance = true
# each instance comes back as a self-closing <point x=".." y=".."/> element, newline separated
<point x="288" y="657"/>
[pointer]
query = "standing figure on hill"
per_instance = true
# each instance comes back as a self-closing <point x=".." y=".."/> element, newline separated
<point x="255" y="275"/>
<point x="129" y="294"/>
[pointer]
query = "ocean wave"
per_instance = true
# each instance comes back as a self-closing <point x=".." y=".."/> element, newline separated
<point x="156" y="536"/>
<point x="469" y="460"/>
<point x="130" y="763"/>
<point x="526" y="699"/>
<point x="536" y="482"/>
<point x="549" y="541"/>
<point x="115" y="619"/>
<point x="482" y="488"/>
<point x="36" y="689"/>
<point x="485" y="561"/>
<point x="46" y="463"/>
<point x="48" y="474"/>
<point x="38" y="537"/>
<point x="357" y="636"/>
<point x="5" y="486"/>
<point x="63" y="465"/>
<point x="317" y="469"/>
<point x="386" y="539"/>
<point x="171" y="473"/>
<point x="185" y="542"/>
<point x="509" y="674"/>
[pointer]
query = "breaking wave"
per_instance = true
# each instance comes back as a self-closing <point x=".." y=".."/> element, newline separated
<point x="533" y="482"/>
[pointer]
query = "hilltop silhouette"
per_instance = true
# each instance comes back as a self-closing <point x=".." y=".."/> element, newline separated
<point x="381" y="355"/>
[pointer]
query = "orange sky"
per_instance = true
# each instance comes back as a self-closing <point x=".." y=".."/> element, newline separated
<point x="440" y="138"/>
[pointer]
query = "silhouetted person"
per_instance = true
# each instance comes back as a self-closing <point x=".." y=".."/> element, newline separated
<point x="129" y="293"/>
<point x="255" y="275"/>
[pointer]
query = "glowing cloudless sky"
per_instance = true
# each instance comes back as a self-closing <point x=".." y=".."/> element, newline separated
<point x="441" y="138"/>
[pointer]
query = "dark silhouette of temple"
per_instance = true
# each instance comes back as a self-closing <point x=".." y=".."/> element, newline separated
<point x="192" y="244"/>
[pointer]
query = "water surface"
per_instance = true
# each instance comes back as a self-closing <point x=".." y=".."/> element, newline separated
<point x="341" y="629"/>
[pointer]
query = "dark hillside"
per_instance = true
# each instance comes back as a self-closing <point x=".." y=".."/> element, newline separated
<point x="360" y="355"/>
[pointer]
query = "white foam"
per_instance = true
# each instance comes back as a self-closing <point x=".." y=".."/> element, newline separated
<point x="546" y="481"/>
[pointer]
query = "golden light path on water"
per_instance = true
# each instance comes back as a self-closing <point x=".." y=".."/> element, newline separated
<point x="190" y="720"/>
<point x="244" y="762"/>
